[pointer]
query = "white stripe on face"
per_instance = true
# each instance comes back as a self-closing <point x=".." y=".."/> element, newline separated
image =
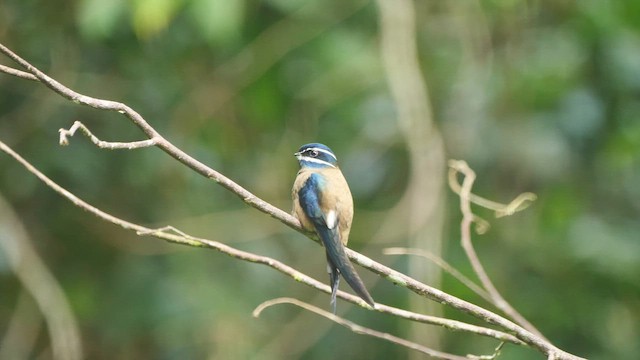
<point x="324" y="151"/>
<point x="314" y="160"/>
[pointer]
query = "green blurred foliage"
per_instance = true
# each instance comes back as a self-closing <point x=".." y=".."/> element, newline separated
<point x="536" y="96"/>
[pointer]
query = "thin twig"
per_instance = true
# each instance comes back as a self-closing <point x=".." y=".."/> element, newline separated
<point x="42" y="286"/>
<point x="64" y="134"/>
<point x="396" y="277"/>
<point x="467" y="244"/>
<point x="358" y="329"/>
<point x="520" y="203"/>
<point x="445" y="266"/>
<point x="174" y="235"/>
<point x="22" y="329"/>
<point x="161" y="142"/>
<point x="19" y="73"/>
<point x="493" y="356"/>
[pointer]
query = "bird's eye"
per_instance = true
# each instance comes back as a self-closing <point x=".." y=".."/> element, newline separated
<point x="313" y="153"/>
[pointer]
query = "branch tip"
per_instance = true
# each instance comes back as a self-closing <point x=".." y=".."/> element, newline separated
<point x="521" y="202"/>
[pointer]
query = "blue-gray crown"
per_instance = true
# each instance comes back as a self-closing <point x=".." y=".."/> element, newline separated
<point x="316" y="155"/>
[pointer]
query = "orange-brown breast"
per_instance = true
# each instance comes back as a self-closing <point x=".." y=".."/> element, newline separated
<point x="336" y="196"/>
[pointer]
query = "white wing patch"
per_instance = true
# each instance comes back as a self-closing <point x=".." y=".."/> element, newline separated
<point x="331" y="219"/>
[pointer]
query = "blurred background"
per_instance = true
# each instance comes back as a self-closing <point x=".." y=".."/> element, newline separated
<point x="540" y="96"/>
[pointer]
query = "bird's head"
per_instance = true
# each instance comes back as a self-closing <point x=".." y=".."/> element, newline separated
<point x="316" y="155"/>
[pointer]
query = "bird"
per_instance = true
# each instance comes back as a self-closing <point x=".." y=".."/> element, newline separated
<point x="323" y="204"/>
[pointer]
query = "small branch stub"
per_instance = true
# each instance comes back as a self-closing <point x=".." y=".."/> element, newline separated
<point x="65" y="134"/>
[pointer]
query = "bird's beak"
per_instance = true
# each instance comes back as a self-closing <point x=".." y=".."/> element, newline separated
<point x="297" y="155"/>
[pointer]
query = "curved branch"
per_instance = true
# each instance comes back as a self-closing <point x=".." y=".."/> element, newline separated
<point x="161" y="142"/>
<point x="441" y="263"/>
<point x="287" y="219"/>
<point x="174" y="235"/>
<point x="425" y="200"/>
<point x="39" y="282"/>
<point x="358" y="329"/>
<point x="467" y="218"/>
<point x="18" y="73"/>
<point x="520" y="203"/>
<point x="22" y="329"/>
<point x="77" y="125"/>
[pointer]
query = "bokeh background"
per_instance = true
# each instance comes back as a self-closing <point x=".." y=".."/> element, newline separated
<point x="540" y="96"/>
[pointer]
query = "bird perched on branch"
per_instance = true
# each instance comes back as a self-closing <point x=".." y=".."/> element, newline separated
<point x="322" y="202"/>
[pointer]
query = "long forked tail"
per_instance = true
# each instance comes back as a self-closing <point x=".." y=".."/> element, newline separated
<point x="337" y="260"/>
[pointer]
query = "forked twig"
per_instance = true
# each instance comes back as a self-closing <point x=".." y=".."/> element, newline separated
<point x="468" y="217"/>
<point x="520" y="203"/>
<point x="64" y="134"/>
<point x="171" y="234"/>
<point x="396" y="277"/>
<point x="445" y="266"/>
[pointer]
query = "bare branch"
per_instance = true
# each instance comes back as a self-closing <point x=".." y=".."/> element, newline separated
<point x="22" y="329"/>
<point x="440" y="262"/>
<point x="396" y="277"/>
<point x="493" y="356"/>
<point x="520" y="203"/>
<point x="18" y="73"/>
<point x="168" y="233"/>
<point x="100" y="143"/>
<point x="467" y="219"/>
<point x="358" y="329"/>
<point x="42" y="286"/>
<point x="161" y="142"/>
<point x="425" y="146"/>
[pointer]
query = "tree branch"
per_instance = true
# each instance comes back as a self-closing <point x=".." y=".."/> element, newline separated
<point x="44" y="289"/>
<point x="520" y="203"/>
<point x="445" y="266"/>
<point x="358" y="329"/>
<point x="18" y="73"/>
<point x="424" y="197"/>
<point x="64" y="134"/>
<point x="252" y="200"/>
<point x="174" y="235"/>
<point x="467" y="245"/>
